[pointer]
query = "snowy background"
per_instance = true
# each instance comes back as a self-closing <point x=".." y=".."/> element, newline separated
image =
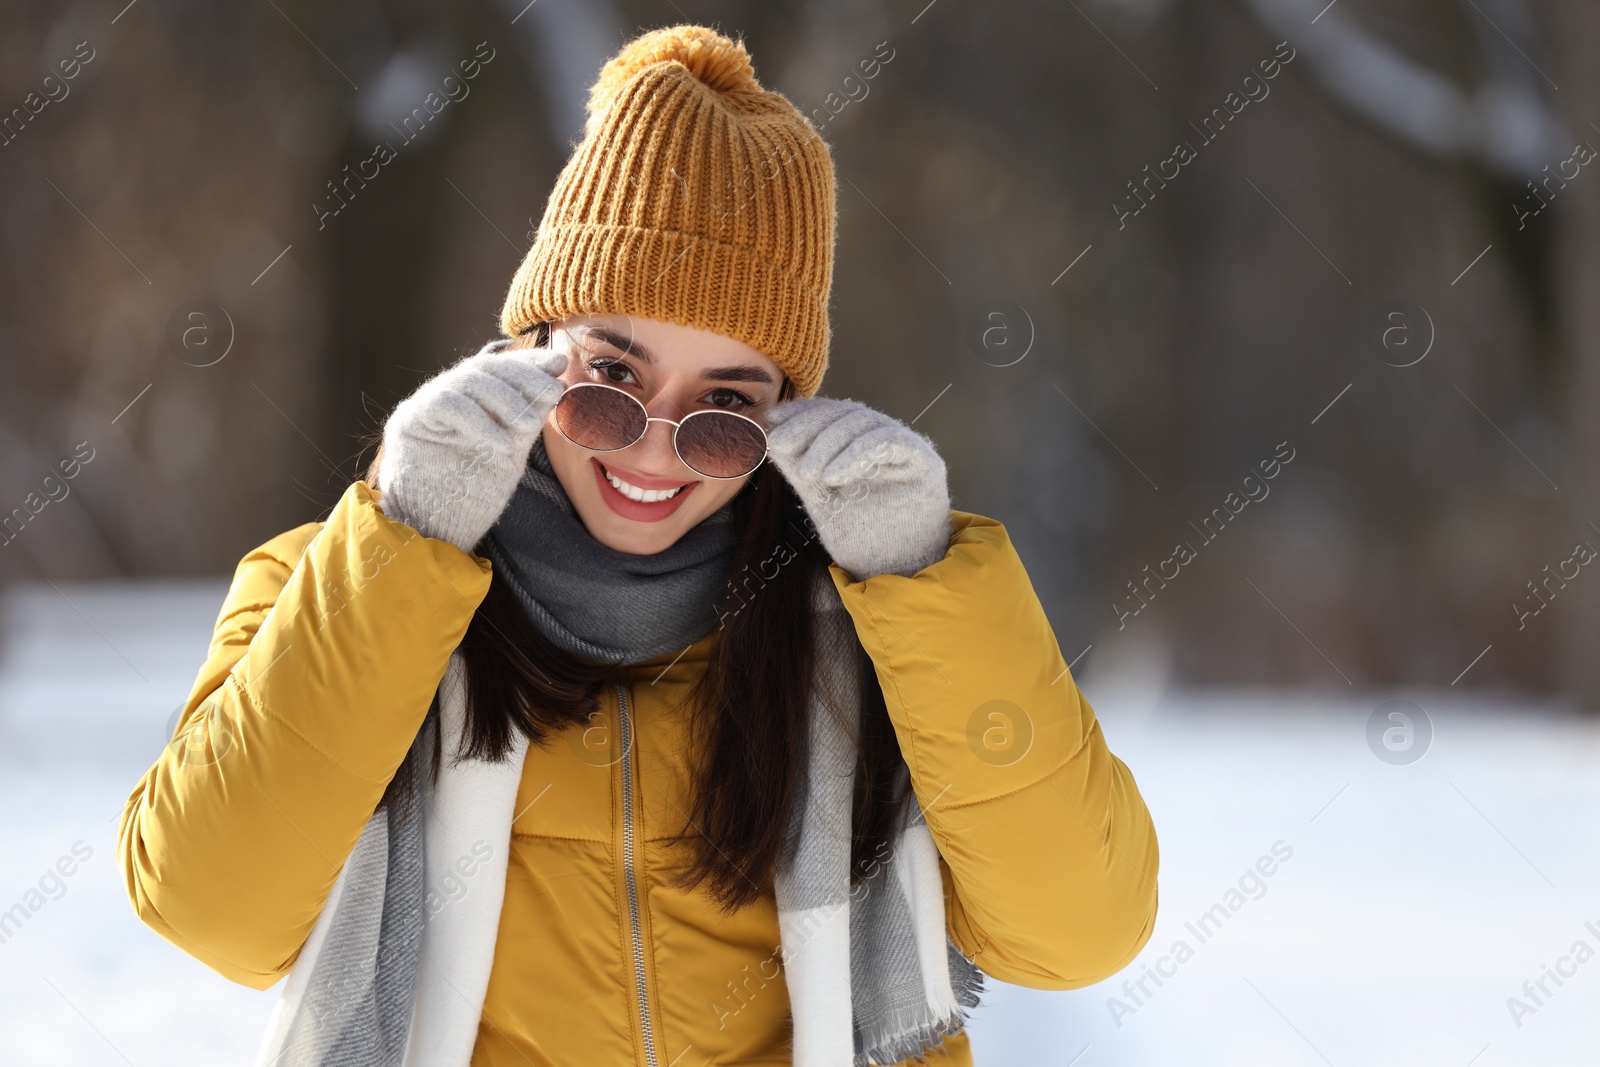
<point x="1416" y="901"/>
<point x="172" y="303"/>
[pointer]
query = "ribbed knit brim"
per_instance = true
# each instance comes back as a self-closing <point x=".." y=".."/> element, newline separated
<point x="696" y="197"/>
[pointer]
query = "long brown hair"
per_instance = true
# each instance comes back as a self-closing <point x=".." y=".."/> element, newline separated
<point x="750" y="707"/>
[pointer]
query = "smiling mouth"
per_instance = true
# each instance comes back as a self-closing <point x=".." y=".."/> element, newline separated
<point x="638" y="495"/>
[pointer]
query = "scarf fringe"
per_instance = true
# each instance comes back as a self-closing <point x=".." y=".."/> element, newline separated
<point x="911" y="1038"/>
<point x="965" y="980"/>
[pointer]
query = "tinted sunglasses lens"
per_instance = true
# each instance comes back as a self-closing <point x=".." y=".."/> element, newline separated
<point x="719" y="445"/>
<point x="600" y="418"/>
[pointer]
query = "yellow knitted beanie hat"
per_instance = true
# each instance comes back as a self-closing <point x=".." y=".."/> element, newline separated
<point x="696" y="197"/>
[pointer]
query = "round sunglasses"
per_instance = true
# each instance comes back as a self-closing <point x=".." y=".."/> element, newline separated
<point x="720" y="445"/>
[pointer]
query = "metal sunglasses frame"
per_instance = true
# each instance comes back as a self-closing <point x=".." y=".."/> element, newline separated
<point x="675" y="424"/>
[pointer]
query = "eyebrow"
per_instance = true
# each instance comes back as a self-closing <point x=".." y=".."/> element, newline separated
<point x="744" y="372"/>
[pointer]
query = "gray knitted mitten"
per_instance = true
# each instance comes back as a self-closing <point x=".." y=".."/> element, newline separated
<point x="874" y="488"/>
<point x="454" y="450"/>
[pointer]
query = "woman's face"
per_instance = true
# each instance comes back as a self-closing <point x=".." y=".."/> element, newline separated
<point x="672" y="370"/>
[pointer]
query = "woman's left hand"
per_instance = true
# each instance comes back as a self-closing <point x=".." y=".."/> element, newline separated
<point x="874" y="488"/>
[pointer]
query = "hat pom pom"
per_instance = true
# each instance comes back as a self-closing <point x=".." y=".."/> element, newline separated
<point x="722" y="64"/>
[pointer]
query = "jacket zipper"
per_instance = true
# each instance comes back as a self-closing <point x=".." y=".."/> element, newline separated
<point x="629" y="763"/>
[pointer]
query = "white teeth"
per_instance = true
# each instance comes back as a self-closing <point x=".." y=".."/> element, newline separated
<point x="643" y="496"/>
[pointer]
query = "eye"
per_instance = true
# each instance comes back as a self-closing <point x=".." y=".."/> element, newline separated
<point x="729" y="398"/>
<point x="611" y="370"/>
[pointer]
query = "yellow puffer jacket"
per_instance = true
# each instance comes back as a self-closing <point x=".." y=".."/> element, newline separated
<point x="325" y="658"/>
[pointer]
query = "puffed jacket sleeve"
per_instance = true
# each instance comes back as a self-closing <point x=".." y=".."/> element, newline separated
<point x="1049" y="854"/>
<point x="325" y="657"/>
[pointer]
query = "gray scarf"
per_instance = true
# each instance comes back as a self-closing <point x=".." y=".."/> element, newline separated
<point x="593" y="601"/>
<point x="874" y="954"/>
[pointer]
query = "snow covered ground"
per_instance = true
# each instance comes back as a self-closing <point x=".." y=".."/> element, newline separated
<point x="1405" y="903"/>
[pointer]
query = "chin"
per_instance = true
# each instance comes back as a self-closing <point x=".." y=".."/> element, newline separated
<point x="624" y="536"/>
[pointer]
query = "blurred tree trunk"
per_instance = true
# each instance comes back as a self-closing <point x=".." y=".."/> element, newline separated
<point x="1575" y="34"/>
<point x="173" y="170"/>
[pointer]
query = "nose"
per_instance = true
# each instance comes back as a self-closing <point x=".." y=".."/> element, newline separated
<point x="653" y="453"/>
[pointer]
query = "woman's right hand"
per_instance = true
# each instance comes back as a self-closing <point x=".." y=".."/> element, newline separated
<point x="454" y="450"/>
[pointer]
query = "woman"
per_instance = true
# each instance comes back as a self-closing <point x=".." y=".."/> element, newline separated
<point x="642" y="706"/>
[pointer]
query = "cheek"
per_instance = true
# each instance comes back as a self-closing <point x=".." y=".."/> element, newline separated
<point x="570" y="462"/>
<point x="715" y="494"/>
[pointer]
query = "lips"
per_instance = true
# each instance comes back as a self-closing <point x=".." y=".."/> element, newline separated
<point x="653" y="506"/>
